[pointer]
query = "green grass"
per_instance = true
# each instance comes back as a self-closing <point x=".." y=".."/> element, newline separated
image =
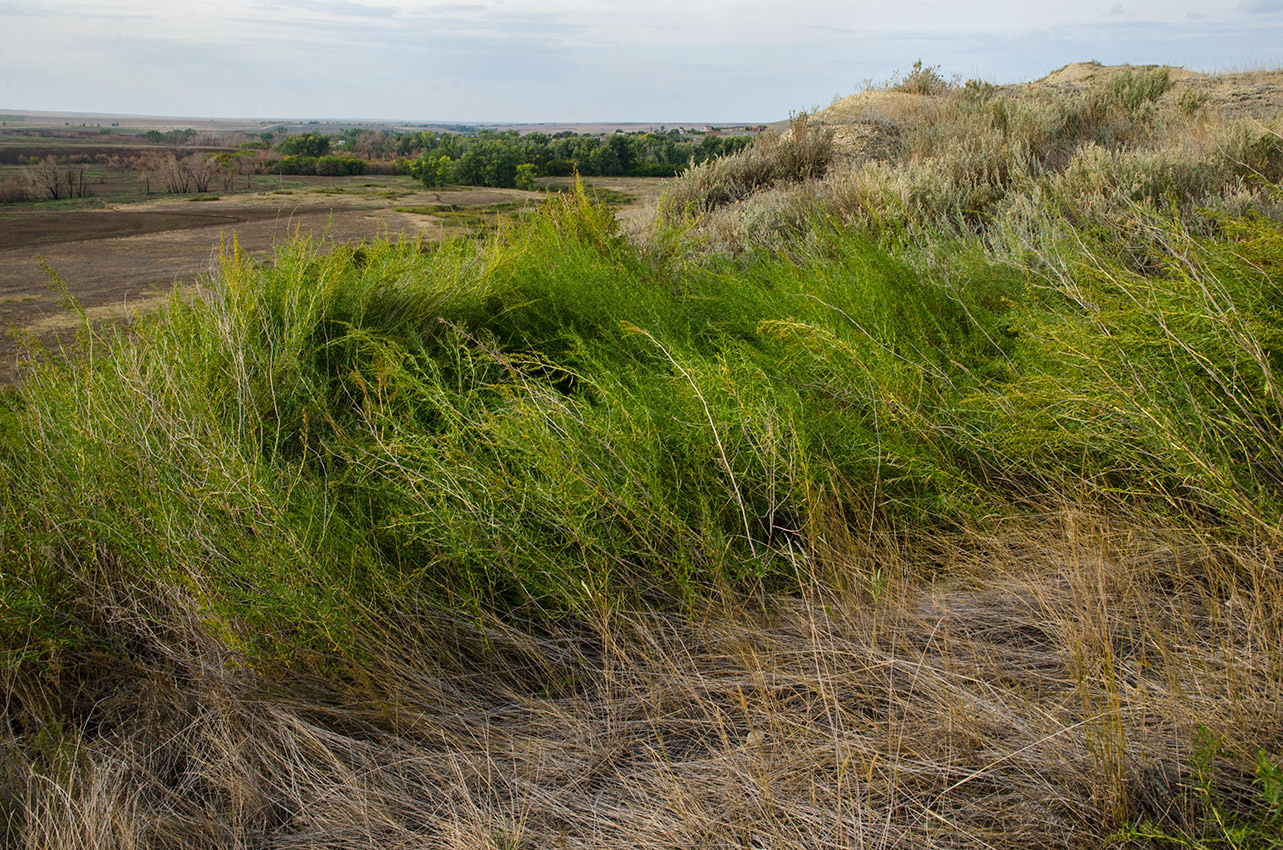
<point x="476" y="220"/>
<point x="965" y="484"/>
<point x="514" y="427"/>
<point x="1221" y="825"/>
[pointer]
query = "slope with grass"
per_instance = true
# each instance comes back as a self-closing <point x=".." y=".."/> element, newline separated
<point x="920" y="498"/>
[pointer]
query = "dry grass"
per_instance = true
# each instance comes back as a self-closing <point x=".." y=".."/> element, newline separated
<point x="803" y="152"/>
<point x="947" y="157"/>
<point x="1046" y="690"/>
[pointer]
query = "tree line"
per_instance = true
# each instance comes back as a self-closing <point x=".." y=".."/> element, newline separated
<point x="510" y="159"/>
<point x="478" y="158"/>
<point x="498" y="158"/>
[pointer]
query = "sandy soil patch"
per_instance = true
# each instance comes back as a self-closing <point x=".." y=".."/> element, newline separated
<point x="1087" y="72"/>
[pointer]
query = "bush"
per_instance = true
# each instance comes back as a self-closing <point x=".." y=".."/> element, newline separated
<point x="340" y="166"/>
<point x="803" y="152"/>
<point x="14" y="191"/>
<point x="294" y="164"/>
<point x="922" y="79"/>
<point x="1133" y="91"/>
<point x="1191" y="101"/>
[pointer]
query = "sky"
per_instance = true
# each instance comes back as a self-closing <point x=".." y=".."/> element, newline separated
<point x="672" y="61"/>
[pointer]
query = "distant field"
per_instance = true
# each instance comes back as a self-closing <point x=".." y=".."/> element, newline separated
<point x="121" y="249"/>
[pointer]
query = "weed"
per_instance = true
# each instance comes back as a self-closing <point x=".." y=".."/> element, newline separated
<point x="921" y="79"/>
<point x="1191" y="101"/>
<point x="1259" y="827"/>
<point x="803" y="153"/>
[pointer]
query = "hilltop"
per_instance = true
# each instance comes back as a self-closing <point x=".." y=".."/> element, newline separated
<point x="868" y="122"/>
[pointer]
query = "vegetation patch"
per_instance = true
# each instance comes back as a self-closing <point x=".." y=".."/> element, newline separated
<point x="926" y="496"/>
<point x="601" y="195"/>
<point x="474" y="218"/>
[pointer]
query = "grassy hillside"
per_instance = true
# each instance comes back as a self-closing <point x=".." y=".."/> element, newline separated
<point x="919" y="490"/>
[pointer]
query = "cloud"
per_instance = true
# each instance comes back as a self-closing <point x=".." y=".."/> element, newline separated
<point x="492" y="60"/>
<point x="28" y="10"/>
<point x="338" y="8"/>
<point x="1261" y="7"/>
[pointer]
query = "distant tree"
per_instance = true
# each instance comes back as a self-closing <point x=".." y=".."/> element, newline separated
<point x="622" y="147"/>
<point x="193" y="173"/>
<point x="47" y="177"/>
<point x="490" y="160"/>
<point x="42" y="177"/>
<point x="432" y="170"/>
<point x="306" y="144"/>
<point x="339" y="166"/>
<point x="525" y="178"/>
<point x="233" y="164"/>
<point x="604" y="161"/>
<point x="369" y="144"/>
<point x="248" y="164"/>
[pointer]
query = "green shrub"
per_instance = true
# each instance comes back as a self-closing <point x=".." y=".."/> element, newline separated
<point x="292" y="164"/>
<point x="340" y="166"/>
<point x="1191" y="101"/>
<point x="1134" y="91"/>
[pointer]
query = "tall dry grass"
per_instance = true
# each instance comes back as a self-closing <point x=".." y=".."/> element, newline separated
<point x="1043" y="690"/>
<point x="969" y="158"/>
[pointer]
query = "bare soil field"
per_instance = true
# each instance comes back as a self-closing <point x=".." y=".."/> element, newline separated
<point x="119" y="260"/>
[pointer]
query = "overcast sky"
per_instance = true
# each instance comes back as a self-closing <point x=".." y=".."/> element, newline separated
<point x="575" y="60"/>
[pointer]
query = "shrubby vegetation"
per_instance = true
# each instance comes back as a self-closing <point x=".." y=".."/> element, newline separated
<point x="311" y="145"/>
<point x="170" y="137"/>
<point x="925" y="496"/>
<point x="996" y="164"/>
<point x="492" y="159"/>
<point x="501" y="159"/>
<point x="49" y="178"/>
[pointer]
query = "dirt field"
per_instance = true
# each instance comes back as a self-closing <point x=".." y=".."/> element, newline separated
<point x="117" y="261"/>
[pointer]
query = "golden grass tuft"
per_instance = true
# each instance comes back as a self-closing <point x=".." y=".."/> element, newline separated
<point x="1047" y="687"/>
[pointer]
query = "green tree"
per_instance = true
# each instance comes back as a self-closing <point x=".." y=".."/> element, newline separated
<point x="490" y="160"/>
<point x="622" y="147"/>
<point x="306" y="144"/>
<point x="432" y="170"/>
<point x="603" y="161"/>
<point x="525" y="178"/>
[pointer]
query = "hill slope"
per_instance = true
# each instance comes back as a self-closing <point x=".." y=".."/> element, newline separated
<point x="924" y="493"/>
